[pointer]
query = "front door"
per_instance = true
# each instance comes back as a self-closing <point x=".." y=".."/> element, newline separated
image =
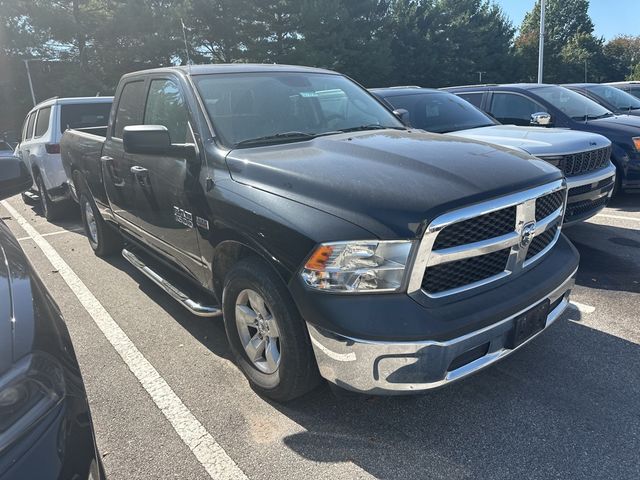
<point x="164" y="184"/>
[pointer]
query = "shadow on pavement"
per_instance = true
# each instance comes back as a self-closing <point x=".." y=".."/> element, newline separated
<point x="625" y="202"/>
<point x="565" y="406"/>
<point x="609" y="256"/>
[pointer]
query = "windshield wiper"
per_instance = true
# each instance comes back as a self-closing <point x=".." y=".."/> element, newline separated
<point x="588" y="117"/>
<point x="370" y="126"/>
<point x="277" y="137"/>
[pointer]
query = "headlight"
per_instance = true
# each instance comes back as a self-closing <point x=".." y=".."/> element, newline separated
<point x="636" y="143"/>
<point x="360" y="266"/>
<point x="30" y="390"/>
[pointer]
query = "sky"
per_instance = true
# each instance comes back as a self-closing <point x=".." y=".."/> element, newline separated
<point x="609" y="17"/>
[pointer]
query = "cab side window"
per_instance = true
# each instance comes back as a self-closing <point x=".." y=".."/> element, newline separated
<point x="473" y="98"/>
<point x="42" y="124"/>
<point x="165" y="106"/>
<point x="513" y="109"/>
<point x="130" y="107"/>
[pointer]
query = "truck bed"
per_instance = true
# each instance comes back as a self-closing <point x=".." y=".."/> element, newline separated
<point x="81" y="150"/>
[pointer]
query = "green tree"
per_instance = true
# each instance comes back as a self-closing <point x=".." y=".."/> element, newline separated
<point x="623" y="54"/>
<point x="348" y="36"/>
<point x="222" y="29"/>
<point x="447" y="42"/>
<point x="569" y="41"/>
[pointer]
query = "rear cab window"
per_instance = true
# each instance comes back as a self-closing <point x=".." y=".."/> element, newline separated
<point x="130" y="107"/>
<point x="84" y="115"/>
<point x="42" y="123"/>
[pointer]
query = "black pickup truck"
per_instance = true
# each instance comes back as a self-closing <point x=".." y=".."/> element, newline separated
<point x="335" y="241"/>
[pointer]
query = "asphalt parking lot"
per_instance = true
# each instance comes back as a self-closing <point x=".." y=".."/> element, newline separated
<point x="567" y="405"/>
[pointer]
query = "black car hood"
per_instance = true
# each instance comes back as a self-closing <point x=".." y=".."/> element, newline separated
<point x="389" y="182"/>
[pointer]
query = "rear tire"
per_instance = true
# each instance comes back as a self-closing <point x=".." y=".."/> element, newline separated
<point x="50" y="210"/>
<point x="104" y="239"/>
<point x="258" y="310"/>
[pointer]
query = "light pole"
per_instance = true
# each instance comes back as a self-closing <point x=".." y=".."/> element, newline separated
<point x="33" y="95"/>
<point x="541" y="47"/>
<point x="480" y="76"/>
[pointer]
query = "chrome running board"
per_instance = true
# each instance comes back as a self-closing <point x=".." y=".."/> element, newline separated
<point x="194" y="307"/>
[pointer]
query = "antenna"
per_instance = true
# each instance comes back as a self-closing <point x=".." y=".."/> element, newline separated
<point x="186" y="45"/>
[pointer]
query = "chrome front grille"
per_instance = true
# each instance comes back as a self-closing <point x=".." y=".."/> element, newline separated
<point x="486" y="226"/>
<point x="476" y="245"/>
<point x="582" y="162"/>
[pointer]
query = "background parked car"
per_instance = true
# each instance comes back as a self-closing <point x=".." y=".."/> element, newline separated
<point x="611" y="98"/>
<point x="583" y="157"/>
<point x="6" y="150"/>
<point x="632" y="87"/>
<point x="46" y="430"/>
<point x="40" y="145"/>
<point x="520" y="104"/>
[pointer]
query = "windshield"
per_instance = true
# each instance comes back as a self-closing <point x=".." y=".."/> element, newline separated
<point x="572" y="104"/>
<point x="440" y="112"/>
<point x="619" y="99"/>
<point x="277" y="107"/>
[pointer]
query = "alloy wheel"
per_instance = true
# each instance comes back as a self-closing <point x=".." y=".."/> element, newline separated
<point x="258" y="331"/>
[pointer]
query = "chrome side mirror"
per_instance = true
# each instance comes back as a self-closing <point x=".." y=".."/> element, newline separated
<point x="540" y="119"/>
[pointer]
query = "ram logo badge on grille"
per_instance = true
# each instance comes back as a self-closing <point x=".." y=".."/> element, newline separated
<point x="526" y="235"/>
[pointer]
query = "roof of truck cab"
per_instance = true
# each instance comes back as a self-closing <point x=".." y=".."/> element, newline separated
<point x="396" y="91"/>
<point x="193" y="70"/>
<point x="581" y="85"/>
<point x="626" y="82"/>
<point x="508" y="86"/>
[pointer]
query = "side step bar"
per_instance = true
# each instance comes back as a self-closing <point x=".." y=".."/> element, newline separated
<point x="194" y="307"/>
<point x="34" y="197"/>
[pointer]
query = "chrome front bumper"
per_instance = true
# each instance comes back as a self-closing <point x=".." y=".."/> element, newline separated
<point x="405" y="367"/>
<point x="590" y="192"/>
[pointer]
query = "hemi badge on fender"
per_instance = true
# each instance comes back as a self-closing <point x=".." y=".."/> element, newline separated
<point x="202" y="223"/>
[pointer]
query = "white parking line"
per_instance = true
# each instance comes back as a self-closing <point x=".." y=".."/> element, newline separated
<point x="617" y="217"/>
<point x="582" y="308"/>
<point x="58" y="232"/>
<point x="210" y="455"/>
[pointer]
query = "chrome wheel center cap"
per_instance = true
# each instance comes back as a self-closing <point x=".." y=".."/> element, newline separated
<point x="263" y="326"/>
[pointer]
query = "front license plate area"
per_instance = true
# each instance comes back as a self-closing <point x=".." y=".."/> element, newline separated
<point x="528" y="324"/>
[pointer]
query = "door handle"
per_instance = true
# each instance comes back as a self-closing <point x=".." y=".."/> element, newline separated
<point x="137" y="170"/>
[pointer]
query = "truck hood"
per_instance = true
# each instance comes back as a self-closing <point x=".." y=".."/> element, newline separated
<point x="536" y="140"/>
<point x="629" y="123"/>
<point x="389" y="182"/>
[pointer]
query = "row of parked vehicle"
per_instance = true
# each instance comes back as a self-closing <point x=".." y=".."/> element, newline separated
<point x="338" y="232"/>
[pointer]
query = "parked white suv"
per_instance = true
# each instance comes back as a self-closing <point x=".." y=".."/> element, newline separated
<point x="40" y="146"/>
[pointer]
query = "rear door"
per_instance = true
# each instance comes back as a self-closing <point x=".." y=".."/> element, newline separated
<point x="116" y="165"/>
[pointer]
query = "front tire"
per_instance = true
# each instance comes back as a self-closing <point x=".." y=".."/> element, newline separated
<point x="268" y="338"/>
<point x="104" y="240"/>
